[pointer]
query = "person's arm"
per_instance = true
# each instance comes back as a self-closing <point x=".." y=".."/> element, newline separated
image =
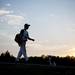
<point x="31" y="39"/>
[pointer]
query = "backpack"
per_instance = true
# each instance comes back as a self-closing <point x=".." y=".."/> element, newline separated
<point x="18" y="38"/>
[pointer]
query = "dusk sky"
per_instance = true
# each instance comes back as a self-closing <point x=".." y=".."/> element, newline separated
<point x="52" y="26"/>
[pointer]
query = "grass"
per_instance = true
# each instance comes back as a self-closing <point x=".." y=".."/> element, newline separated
<point x="31" y="69"/>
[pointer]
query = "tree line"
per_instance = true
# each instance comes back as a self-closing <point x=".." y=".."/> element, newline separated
<point x="43" y="60"/>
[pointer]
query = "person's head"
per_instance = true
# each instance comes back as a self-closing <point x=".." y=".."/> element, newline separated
<point x="26" y="26"/>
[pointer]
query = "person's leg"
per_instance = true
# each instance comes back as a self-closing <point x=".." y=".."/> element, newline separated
<point x="19" y="54"/>
<point x="24" y="53"/>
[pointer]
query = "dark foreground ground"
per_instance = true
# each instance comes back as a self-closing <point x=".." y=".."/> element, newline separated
<point x="31" y="69"/>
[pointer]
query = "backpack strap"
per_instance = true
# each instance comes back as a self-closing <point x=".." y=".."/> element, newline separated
<point x="21" y="32"/>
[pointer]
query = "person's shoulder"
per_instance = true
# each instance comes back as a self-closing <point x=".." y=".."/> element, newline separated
<point x="22" y="30"/>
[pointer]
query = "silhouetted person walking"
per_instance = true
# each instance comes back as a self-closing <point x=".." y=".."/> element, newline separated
<point x="24" y="37"/>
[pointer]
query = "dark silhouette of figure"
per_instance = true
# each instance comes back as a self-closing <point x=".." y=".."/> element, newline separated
<point x="24" y="37"/>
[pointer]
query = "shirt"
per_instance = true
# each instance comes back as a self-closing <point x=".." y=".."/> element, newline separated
<point x="25" y="35"/>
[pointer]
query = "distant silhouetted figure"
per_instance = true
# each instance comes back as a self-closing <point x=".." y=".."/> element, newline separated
<point x="24" y="36"/>
<point x="51" y="63"/>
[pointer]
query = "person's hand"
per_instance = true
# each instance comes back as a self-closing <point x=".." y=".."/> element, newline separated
<point x="33" y="40"/>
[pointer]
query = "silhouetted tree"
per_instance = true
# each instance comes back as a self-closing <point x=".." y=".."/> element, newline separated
<point x="6" y="57"/>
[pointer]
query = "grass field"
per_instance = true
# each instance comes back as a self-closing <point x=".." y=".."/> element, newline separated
<point x="31" y="69"/>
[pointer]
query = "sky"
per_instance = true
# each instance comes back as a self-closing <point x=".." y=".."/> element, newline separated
<point x="52" y="26"/>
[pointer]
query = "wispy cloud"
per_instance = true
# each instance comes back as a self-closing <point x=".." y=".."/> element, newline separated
<point x="8" y="4"/>
<point x="4" y="12"/>
<point x="15" y="19"/>
<point x="10" y="18"/>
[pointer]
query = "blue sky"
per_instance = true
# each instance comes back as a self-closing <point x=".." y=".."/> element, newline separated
<point x="52" y="26"/>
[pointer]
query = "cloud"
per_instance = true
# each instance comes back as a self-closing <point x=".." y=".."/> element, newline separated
<point x="5" y="12"/>
<point x="15" y="19"/>
<point x="8" y="17"/>
<point x="8" y="4"/>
